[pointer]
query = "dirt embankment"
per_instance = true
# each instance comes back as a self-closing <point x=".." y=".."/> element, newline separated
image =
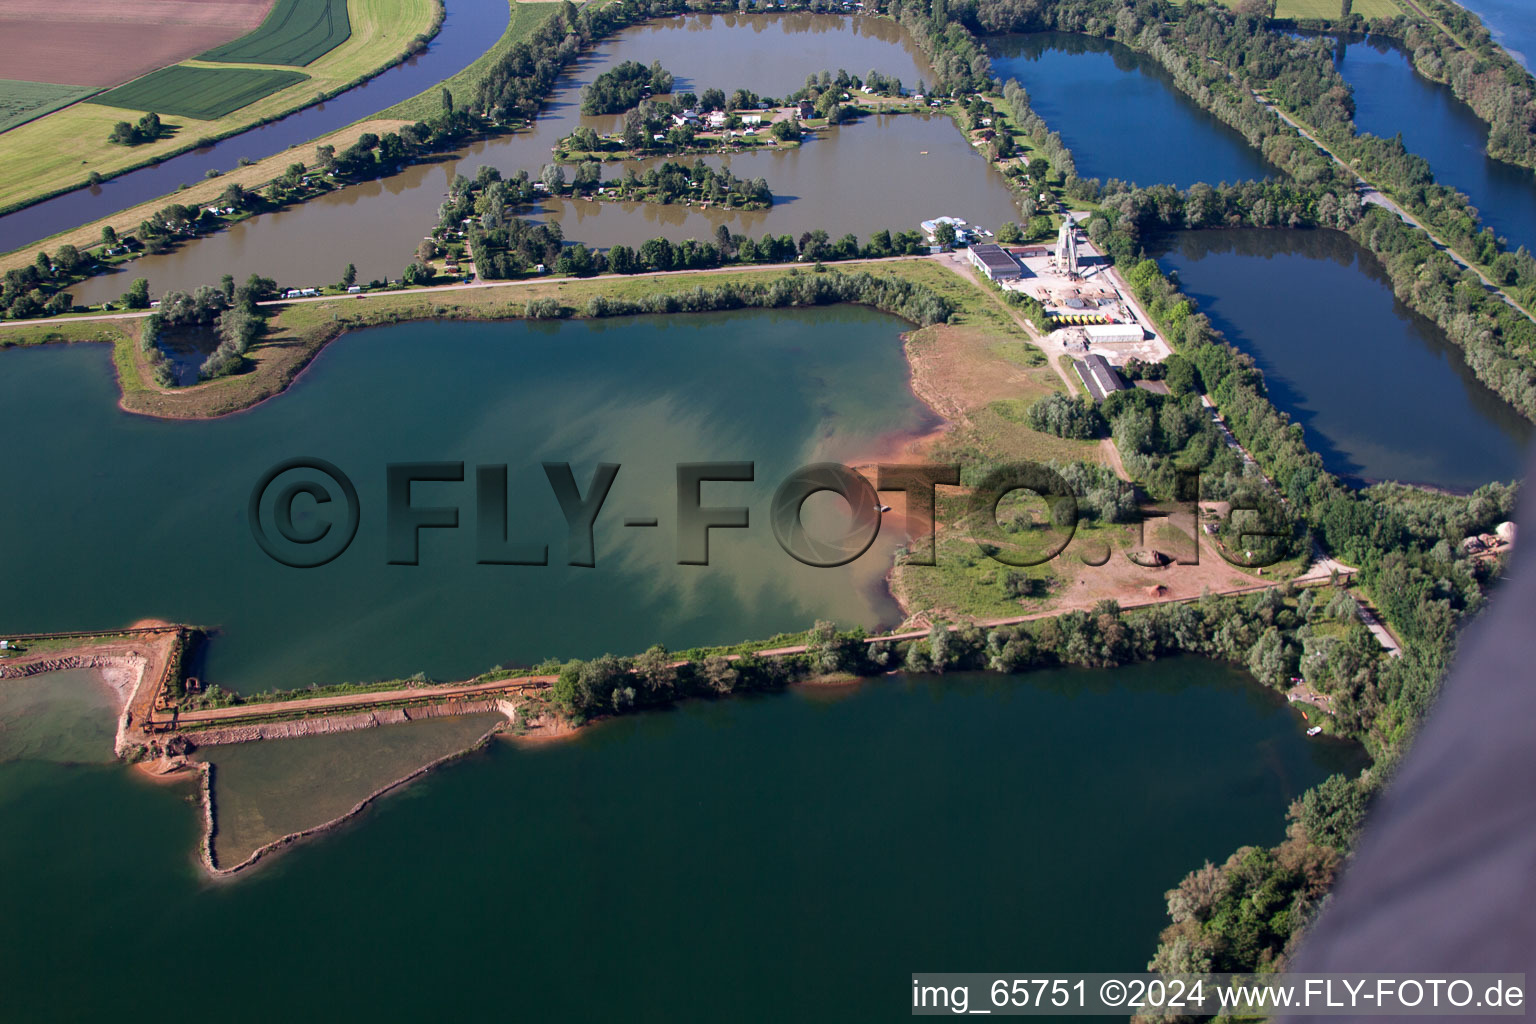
<point x="210" y="816"/>
<point x="124" y="671"/>
<point x="328" y="724"/>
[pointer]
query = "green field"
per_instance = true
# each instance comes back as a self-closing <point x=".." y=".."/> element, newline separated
<point x="296" y="32"/>
<point x="20" y="102"/>
<point x="203" y="93"/>
<point x="1300" y="9"/>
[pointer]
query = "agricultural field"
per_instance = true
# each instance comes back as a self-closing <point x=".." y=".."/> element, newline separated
<point x="1332" y="8"/>
<point x="60" y="151"/>
<point x="202" y="93"/>
<point x="296" y="32"/>
<point x="21" y="102"/>
<point x="102" y="43"/>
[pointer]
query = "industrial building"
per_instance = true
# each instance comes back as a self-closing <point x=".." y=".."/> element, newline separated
<point x="995" y="261"/>
<point x="1108" y="334"/>
<point x="1066" y="249"/>
<point x="1098" y="376"/>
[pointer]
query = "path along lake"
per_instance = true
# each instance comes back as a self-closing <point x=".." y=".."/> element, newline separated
<point x="1381" y="391"/>
<point x="793" y="857"/>
<point x="887" y="172"/>
<point x="1390" y="97"/>
<point x="125" y="517"/>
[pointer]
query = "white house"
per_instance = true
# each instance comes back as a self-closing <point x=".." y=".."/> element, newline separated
<point x="717" y="119"/>
<point x="751" y="118"/>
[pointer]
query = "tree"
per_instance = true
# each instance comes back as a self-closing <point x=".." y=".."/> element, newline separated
<point x="944" y="234"/>
<point x="1065" y="416"/>
<point x="447" y="100"/>
<point x="1331" y="812"/>
<point x="656" y="254"/>
<point x="426" y="251"/>
<point x="553" y="177"/>
<point x="940" y="642"/>
<point x="1182" y="376"/>
<point x="589" y="173"/>
<point x="349" y="276"/>
<point x="416" y="274"/>
<point x="656" y="670"/>
<point x="724" y="241"/>
<point x="621" y="260"/>
<point x="720" y="675"/>
<point x="137" y="295"/>
<point x="108" y="235"/>
<point x="1010" y="233"/>
<point x="234" y="196"/>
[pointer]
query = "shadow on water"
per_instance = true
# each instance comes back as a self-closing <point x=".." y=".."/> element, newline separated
<point x="1121" y="113"/>
<point x="1380" y="391"/>
<point x="1035" y="818"/>
<point x="1392" y="98"/>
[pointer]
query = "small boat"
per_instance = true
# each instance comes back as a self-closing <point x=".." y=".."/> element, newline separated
<point x="1314" y="730"/>
<point x="1304" y="715"/>
<point x="882" y="508"/>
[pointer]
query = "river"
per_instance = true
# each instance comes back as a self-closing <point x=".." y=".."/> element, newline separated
<point x="1121" y="114"/>
<point x="468" y="28"/>
<point x="1380" y="390"/>
<point x="784" y="857"/>
<point x="126" y="517"/>
<point x="1390" y="97"/>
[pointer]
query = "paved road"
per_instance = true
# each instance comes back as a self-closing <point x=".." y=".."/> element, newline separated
<point x="1369" y="193"/>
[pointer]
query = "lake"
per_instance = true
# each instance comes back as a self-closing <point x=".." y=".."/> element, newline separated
<point x="1390" y="97"/>
<point x="1511" y="24"/>
<point x="1380" y="390"/>
<point x="1121" y="114"/>
<point x="127" y="517"/>
<point x="886" y="173"/>
<point x="791" y="857"/>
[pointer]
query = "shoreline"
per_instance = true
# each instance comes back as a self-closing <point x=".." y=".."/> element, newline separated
<point x="543" y="730"/>
<point x="292" y="345"/>
<point x="207" y="848"/>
